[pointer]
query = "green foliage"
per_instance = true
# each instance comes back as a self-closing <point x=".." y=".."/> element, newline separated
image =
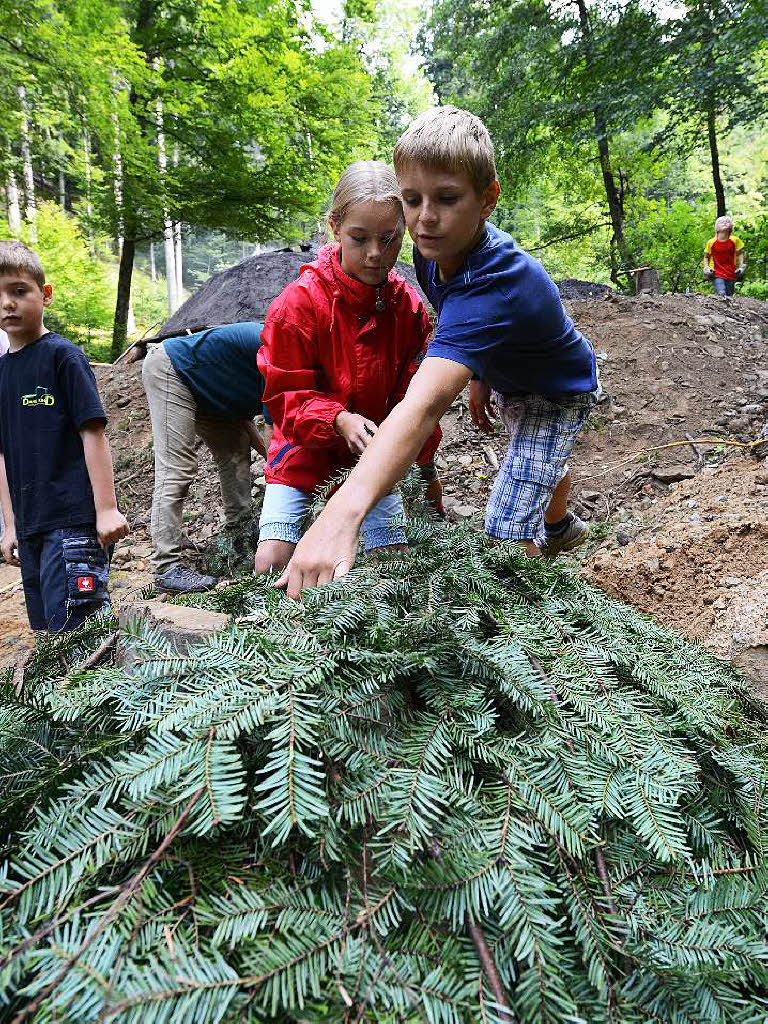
<point x="298" y="819"/>
<point x="256" y="110"/>
<point x="671" y="238"/>
<point x="755" y="289"/>
<point x="575" y="92"/>
<point x="80" y="281"/>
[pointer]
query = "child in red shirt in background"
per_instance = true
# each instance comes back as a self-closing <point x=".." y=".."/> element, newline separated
<point x="720" y="256"/>
<point x="340" y="345"/>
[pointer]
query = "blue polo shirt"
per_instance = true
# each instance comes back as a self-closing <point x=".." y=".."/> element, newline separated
<point x="219" y="368"/>
<point x="501" y="316"/>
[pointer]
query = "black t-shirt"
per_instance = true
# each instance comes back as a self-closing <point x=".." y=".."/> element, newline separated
<point x="47" y="393"/>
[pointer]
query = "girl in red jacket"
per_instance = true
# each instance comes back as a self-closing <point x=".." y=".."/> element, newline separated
<point x="340" y="345"/>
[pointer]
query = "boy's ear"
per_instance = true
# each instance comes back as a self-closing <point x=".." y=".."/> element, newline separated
<point x="490" y="198"/>
<point x="47" y="294"/>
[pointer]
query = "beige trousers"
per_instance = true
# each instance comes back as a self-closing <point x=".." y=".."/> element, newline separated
<point x="176" y="421"/>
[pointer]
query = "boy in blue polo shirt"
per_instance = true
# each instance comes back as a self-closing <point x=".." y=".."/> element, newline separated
<point x="57" y="488"/>
<point x="501" y="324"/>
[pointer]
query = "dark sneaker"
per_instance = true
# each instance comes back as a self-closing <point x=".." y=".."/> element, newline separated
<point x="574" y="534"/>
<point x="180" y="579"/>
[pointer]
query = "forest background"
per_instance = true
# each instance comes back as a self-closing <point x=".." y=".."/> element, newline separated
<point x="145" y="144"/>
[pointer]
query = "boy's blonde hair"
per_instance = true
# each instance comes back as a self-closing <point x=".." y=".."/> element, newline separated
<point x="367" y="181"/>
<point x="16" y="258"/>
<point x="724" y="223"/>
<point x="448" y="139"/>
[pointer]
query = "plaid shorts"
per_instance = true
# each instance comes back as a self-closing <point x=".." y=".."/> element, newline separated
<point x="542" y="433"/>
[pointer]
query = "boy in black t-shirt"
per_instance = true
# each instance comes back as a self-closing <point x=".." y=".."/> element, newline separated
<point x="56" y="483"/>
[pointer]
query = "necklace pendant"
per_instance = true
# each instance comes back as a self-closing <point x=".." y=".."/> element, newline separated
<point x="380" y="303"/>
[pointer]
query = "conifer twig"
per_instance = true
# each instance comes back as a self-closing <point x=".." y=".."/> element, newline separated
<point x="605" y="878"/>
<point x="128" y="890"/>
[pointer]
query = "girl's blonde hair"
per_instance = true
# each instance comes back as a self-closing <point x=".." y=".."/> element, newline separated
<point x="367" y="181"/>
<point x="724" y="223"/>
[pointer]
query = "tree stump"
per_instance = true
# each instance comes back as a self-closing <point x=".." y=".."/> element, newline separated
<point x="646" y="280"/>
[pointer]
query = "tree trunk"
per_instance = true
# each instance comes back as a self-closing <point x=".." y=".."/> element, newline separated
<point x="123" y="304"/>
<point x="169" y="248"/>
<point x="615" y="205"/>
<point x="12" y="199"/>
<point x="88" y="206"/>
<point x="128" y="323"/>
<point x="177" y="251"/>
<point x="612" y="195"/>
<point x="715" y="157"/>
<point x="152" y="266"/>
<point x="177" y="259"/>
<point x="62" y="177"/>
<point x="26" y="157"/>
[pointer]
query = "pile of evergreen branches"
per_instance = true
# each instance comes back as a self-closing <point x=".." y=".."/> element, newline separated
<point x="459" y="786"/>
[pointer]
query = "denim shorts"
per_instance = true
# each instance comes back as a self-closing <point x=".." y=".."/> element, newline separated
<point x="723" y="287"/>
<point x="65" y="574"/>
<point x="285" y="510"/>
<point x="542" y="433"/>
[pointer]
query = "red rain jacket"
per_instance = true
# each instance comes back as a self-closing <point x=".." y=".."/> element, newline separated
<point x="326" y="348"/>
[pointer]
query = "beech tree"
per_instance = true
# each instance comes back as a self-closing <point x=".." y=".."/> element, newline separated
<point x="243" y="86"/>
<point x="714" y="78"/>
<point x="571" y="75"/>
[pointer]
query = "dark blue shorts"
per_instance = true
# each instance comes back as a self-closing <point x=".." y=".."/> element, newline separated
<point x="65" y="575"/>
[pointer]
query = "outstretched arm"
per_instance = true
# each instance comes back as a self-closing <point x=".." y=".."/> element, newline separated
<point x="329" y="547"/>
<point x="111" y="524"/>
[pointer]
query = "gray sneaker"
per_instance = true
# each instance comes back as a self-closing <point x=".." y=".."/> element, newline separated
<point x="574" y="534"/>
<point x="180" y="579"/>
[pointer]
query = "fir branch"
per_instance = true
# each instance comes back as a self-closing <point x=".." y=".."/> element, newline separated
<point x="127" y="892"/>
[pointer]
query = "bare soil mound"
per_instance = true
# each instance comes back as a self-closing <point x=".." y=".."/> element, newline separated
<point x="244" y="292"/>
<point x="572" y="288"/>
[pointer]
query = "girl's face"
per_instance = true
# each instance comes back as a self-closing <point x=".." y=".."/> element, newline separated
<point x="370" y="237"/>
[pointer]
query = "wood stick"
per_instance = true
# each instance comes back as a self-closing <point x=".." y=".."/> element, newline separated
<point x="136" y="472"/>
<point x="490" y="969"/>
<point x="98" y="654"/>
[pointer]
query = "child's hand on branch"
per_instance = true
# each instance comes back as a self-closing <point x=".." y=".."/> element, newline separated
<point x="356" y="430"/>
<point x="111" y="526"/>
<point x="9" y="546"/>
<point x="480" y="406"/>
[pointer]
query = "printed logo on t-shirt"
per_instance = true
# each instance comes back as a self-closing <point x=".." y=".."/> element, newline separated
<point x="85" y="584"/>
<point x="42" y="396"/>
